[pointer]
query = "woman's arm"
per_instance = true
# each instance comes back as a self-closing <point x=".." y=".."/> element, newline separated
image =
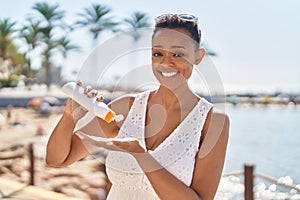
<point x="165" y="184"/>
<point x="62" y="141"/>
<point x="64" y="147"/>
<point x="211" y="156"/>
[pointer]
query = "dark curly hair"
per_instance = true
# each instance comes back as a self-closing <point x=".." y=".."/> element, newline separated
<point x="174" y="21"/>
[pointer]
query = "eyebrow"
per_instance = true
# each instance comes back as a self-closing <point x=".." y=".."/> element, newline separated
<point x="158" y="46"/>
<point x="172" y="47"/>
<point x="177" y="47"/>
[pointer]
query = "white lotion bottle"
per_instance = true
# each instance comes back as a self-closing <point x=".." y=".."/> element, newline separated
<point x="99" y="109"/>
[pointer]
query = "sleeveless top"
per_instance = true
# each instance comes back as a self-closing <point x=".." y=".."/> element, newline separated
<point x="176" y="153"/>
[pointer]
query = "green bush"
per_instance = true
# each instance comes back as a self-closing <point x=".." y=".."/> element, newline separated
<point x="11" y="81"/>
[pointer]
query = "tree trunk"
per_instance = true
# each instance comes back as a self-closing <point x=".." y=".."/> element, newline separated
<point x="48" y="70"/>
<point x="3" y="52"/>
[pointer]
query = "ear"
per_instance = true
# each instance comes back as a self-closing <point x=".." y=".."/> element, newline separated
<point x="200" y="53"/>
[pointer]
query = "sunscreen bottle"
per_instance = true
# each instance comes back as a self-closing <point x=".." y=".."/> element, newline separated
<point x="99" y="109"/>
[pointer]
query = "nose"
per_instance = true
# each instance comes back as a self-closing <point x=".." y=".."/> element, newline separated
<point x="167" y="60"/>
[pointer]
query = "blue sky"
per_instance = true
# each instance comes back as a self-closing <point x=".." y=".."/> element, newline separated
<point x="257" y="42"/>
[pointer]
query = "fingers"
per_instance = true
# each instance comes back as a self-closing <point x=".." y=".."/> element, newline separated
<point x="132" y="146"/>
<point x="90" y="92"/>
<point x="123" y="146"/>
<point x="99" y="98"/>
<point x="87" y="89"/>
<point x="79" y="83"/>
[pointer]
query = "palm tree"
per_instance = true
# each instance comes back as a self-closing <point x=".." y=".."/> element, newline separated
<point x="30" y="33"/>
<point x="6" y="30"/>
<point x="50" y="16"/>
<point x="49" y="19"/>
<point x="15" y="57"/>
<point x="64" y="45"/>
<point x="97" y="19"/>
<point x="131" y="30"/>
<point x="137" y="20"/>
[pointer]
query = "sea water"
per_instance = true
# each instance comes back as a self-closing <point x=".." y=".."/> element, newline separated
<point x="266" y="136"/>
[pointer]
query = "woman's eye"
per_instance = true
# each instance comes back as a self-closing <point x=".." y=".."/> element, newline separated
<point x="157" y="54"/>
<point x="178" y="54"/>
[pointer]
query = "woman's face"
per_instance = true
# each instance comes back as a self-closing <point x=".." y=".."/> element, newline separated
<point x="173" y="56"/>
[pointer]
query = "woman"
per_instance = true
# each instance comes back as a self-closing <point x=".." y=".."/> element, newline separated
<point x="179" y="143"/>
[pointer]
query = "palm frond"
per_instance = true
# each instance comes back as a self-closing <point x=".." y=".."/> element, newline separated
<point x="96" y="18"/>
<point x="65" y="45"/>
<point x="6" y="31"/>
<point x="137" y="20"/>
<point x="49" y="12"/>
<point x="6" y="27"/>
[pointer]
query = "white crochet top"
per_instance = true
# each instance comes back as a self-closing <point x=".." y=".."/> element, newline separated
<point x="176" y="153"/>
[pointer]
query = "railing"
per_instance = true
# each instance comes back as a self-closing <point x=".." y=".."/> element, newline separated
<point x="249" y="177"/>
<point x="248" y="182"/>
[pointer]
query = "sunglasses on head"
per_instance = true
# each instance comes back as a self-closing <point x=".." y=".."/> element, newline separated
<point x="183" y="17"/>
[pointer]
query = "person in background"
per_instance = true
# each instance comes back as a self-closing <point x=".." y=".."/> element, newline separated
<point x="9" y="112"/>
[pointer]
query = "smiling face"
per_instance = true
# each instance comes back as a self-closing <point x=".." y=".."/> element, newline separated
<point x="174" y="53"/>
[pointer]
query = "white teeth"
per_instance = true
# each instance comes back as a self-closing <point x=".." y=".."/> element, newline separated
<point x="169" y="74"/>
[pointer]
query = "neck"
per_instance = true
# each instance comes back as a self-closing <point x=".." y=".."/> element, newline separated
<point x="171" y="98"/>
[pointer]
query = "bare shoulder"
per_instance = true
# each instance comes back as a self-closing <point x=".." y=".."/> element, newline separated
<point x="219" y="118"/>
<point x="216" y="130"/>
<point x="219" y="125"/>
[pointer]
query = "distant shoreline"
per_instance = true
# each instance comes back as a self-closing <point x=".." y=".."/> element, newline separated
<point x="19" y="96"/>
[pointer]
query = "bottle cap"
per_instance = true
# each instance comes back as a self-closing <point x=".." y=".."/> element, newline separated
<point x="109" y="117"/>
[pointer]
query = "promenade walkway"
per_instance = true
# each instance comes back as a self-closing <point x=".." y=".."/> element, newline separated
<point x="15" y="191"/>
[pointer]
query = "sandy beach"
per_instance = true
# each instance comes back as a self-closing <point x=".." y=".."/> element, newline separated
<point x="84" y="179"/>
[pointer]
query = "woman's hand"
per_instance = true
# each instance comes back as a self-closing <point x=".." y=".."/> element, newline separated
<point x="75" y="110"/>
<point x="128" y="145"/>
